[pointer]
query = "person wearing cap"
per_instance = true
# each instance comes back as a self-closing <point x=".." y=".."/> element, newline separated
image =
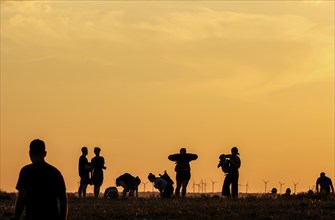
<point x="41" y="187"/>
<point x="231" y="180"/>
<point x="98" y="163"/>
<point x="325" y="184"/>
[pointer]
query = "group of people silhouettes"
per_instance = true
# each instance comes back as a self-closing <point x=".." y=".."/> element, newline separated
<point x="42" y="192"/>
<point x="91" y="173"/>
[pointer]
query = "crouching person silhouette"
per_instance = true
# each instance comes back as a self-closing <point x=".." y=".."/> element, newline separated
<point x="41" y="188"/>
<point x="163" y="183"/>
<point x="129" y="183"/>
<point x="111" y="193"/>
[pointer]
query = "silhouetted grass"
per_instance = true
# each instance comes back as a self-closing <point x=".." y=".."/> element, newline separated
<point x="201" y="207"/>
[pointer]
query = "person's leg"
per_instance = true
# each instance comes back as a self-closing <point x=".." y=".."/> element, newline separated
<point x="80" y="190"/>
<point x="226" y="186"/>
<point x="179" y="183"/>
<point x="96" y="190"/>
<point x="131" y="193"/>
<point x="168" y="191"/>
<point x="124" y="193"/>
<point x="84" y="187"/>
<point x="184" y="185"/>
<point x="234" y="186"/>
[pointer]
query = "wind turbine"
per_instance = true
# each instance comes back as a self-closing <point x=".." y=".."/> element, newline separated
<point x="266" y="183"/>
<point x="281" y="186"/>
<point x="205" y="185"/>
<point x="295" y="187"/>
<point x="144" y="183"/>
<point x="202" y="186"/>
<point x="246" y="188"/>
<point x="213" y="182"/>
<point x="198" y="184"/>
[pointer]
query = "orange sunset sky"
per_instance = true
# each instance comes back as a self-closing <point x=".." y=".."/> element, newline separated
<point x="141" y="79"/>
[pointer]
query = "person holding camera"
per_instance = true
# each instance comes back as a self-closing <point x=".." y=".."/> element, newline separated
<point x="230" y="164"/>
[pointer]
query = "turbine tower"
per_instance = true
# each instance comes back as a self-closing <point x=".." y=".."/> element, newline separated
<point x="246" y="188"/>
<point x="213" y="182"/>
<point x="202" y="186"/>
<point x="295" y="187"/>
<point x="193" y="186"/>
<point x="266" y="183"/>
<point x="144" y="183"/>
<point x="205" y="185"/>
<point x="281" y="186"/>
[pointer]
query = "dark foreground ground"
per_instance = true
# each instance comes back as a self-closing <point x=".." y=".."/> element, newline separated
<point x="200" y="207"/>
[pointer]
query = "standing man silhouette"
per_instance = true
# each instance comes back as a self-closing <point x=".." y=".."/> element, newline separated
<point x="183" y="169"/>
<point x="98" y="164"/>
<point x="84" y="172"/>
<point x="41" y="188"/>
<point x="234" y="164"/>
<point x="325" y="184"/>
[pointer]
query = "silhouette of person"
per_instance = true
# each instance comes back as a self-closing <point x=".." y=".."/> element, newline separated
<point x="84" y="172"/>
<point x="163" y="183"/>
<point x="288" y="192"/>
<point x="111" y="193"/>
<point x="41" y="188"/>
<point x="98" y="164"/>
<point x="325" y="184"/>
<point x="232" y="174"/>
<point x="183" y="169"/>
<point x="129" y="183"/>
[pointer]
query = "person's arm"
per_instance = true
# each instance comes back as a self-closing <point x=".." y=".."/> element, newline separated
<point x="331" y="186"/>
<point x="63" y="208"/>
<point x="19" y="204"/>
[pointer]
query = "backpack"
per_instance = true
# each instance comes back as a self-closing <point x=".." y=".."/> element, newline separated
<point x="166" y="177"/>
<point x="224" y="163"/>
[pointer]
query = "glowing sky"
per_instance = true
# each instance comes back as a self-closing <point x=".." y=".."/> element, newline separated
<point x="141" y="79"/>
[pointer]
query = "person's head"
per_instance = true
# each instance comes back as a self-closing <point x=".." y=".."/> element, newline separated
<point x="84" y="150"/>
<point x="37" y="150"/>
<point x="97" y="151"/>
<point x="137" y="181"/>
<point x="183" y="151"/>
<point x="288" y="191"/>
<point x="322" y="174"/>
<point x="234" y="150"/>
<point x="151" y="177"/>
<point x="274" y="191"/>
